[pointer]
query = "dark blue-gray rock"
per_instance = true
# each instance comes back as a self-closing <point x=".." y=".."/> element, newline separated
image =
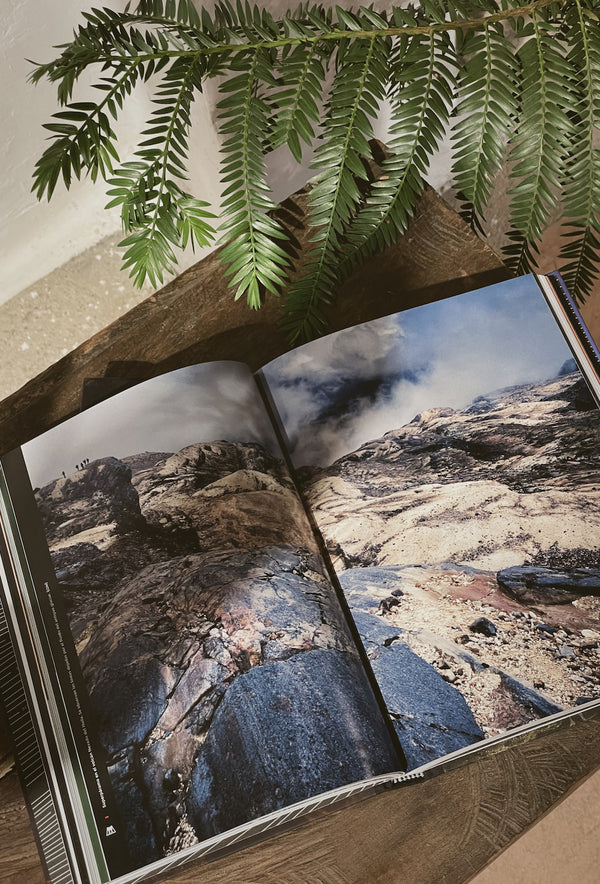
<point x="533" y="704"/>
<point x="545" y="629"/>
<point x="127" y="700"/>
<point x="388" y="604"/>
<point x="483" y="626"/>
<point x="374" y="630"/>
<point x="566" y="652"/>
<point x="430" y="716"/>
<point x="133" y="810"/>
<point x="285" y="731"/>
<point x="532" y="584"/>
<point x="366" y="588"/>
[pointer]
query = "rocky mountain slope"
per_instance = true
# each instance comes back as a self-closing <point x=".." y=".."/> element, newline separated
<point x="488" y="514"/>
<point x="214" y="653"/>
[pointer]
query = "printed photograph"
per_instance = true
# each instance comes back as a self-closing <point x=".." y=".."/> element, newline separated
<point x="220" y="671"/>
<point x="450" y="456"/>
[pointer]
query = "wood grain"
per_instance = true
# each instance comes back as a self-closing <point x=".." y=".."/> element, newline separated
<point x="195" y="319"/>
<point x="441" y="830"/>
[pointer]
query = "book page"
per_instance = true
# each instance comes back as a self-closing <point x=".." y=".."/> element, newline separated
<point x="450" y="457"/>
<point x="214" y="674"/>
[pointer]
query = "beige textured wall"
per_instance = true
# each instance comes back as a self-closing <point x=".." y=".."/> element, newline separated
<point x="36" y="238"/>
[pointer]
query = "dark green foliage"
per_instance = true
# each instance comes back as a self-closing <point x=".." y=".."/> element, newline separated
<point x="539" y="148"/>
<point x="420" y="95"/>
<point x="252" y="255"/>
<point x="516" y="85"/>
<point x="484" y="114"/>
<point x="357" y="90"/>
<point x="581" y="184"/>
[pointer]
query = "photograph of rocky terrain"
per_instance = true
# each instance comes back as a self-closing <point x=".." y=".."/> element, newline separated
<point x="221" y="674"/>
<point x="469" y="540"/>
<point x="463" y="514"/>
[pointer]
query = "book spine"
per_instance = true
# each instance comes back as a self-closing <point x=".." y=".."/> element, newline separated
<point x="34" y="762"/>
<point x="576" y="318"/>
<point x="78" y="779"/>
<point x="573" y="326"/>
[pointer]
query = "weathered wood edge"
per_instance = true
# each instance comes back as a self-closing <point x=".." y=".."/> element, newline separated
<point x="440" y="829"/>
<point x="195" y="319"/>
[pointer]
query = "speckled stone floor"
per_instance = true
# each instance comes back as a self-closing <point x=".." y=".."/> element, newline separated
<point x="62" y="310"/>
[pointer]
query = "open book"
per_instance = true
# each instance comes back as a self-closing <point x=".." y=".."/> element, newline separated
<point x="229" y="599"/>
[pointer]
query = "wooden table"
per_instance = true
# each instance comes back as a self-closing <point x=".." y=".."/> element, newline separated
<point x="443" y="829"/>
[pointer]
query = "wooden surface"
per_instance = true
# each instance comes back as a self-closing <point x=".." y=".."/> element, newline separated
<point x="443" y="829"/>
<point x="195" y="319"/>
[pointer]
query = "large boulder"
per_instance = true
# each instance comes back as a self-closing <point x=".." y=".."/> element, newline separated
<point x="173" y="641"/>
<point x="535" y="585"/>
<point x="285" y="731"/>
<point x="98" y="499"/>
<point x="431" y="717"/>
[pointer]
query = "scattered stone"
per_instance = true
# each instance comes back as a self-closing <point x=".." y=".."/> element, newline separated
<point x="483" y="626"/>
<point x="386" y="605"/>
<point x="544" y="628"/>
<point x="566" y="652"/>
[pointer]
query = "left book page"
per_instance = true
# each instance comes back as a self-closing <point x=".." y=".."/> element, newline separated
<point x="201" y="672"/>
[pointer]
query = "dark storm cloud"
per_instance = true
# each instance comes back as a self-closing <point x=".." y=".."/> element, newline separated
<point x="336" y="393"/>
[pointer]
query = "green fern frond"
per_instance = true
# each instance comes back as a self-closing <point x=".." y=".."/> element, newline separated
<point x="581" y="200"/>
<point x="421" y="98"/>
<point x="538" y="151"/>
<point x="253" y="256"/>
<point x="155" y="211"/>
<point x="333" y="200"/>
<point x="296" y="102"/>
<point x="485" y="114"/>
<point x="181" y="11"/>
<point x="82" y="136"/>
<point x="541" y="102"/>
<point x="581" y="252"/>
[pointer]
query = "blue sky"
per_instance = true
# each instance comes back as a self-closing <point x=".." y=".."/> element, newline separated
<point x="339" y="392"/>
<point x="333" y="394"/>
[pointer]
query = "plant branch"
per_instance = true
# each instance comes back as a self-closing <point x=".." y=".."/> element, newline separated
<point x="534" y="98"/>
<point x="335" y="35"/>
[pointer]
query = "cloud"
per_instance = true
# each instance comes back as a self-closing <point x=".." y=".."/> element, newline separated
<point x="337" y="393"/>
<point x="196" y="404"/>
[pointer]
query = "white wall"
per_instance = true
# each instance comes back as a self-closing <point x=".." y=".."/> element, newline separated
<point x="36" y="238"/>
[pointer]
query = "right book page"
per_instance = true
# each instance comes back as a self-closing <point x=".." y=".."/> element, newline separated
<point x="449" y="455"/>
